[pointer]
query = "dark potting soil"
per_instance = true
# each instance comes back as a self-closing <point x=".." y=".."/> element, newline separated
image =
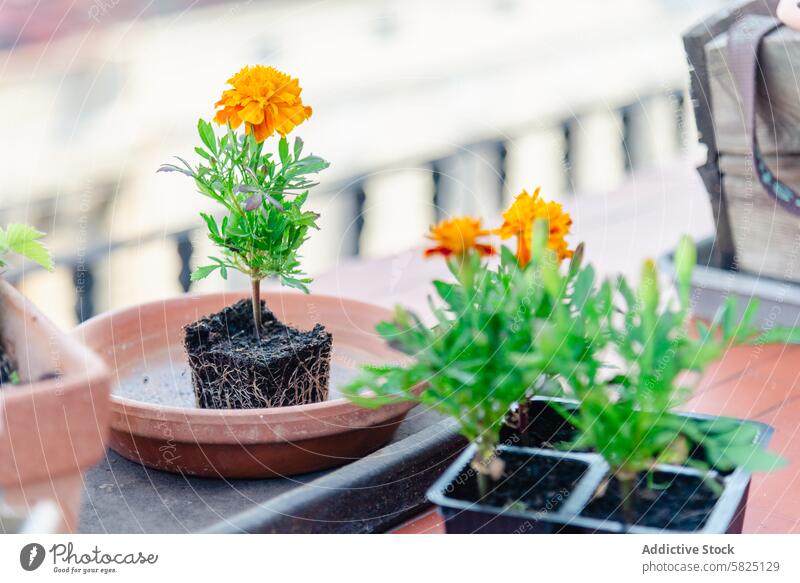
<point x="680" y="502"/>
<point x="529" y="483"/>
<point x="547" y="429"/>
<point x="232" y="370"/>
<point x="698" y="453"/>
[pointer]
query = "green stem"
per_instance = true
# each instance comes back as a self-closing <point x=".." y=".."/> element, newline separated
<point x="467" y="274"/>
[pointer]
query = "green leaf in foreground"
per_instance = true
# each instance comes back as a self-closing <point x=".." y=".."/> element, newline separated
<point x="25" y="241"/>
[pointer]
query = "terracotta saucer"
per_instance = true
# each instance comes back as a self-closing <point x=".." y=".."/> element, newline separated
<point x="156" y="422"/>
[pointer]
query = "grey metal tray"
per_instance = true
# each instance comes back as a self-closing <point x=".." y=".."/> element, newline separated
<point x="711" y="284"/>
<point x="369" y="495"/>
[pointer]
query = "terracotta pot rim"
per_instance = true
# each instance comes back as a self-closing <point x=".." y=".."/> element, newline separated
<point x="187" y="420"/>
<point x="34" y="388"/>
<point x="93" y="370"/>
<point x="334" y="407"/>
<point x="265" y="295"/>
<point x="69" y="409"/>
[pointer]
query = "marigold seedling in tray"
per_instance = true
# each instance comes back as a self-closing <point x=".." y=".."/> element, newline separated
<point x="627" y="402"/>
<point x="470" y="363"/>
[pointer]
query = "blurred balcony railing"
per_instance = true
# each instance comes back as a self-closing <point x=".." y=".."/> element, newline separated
<point x="631" y="125"/>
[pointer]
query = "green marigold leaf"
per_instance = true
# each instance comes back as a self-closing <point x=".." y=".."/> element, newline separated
<point x="203" y="272"/>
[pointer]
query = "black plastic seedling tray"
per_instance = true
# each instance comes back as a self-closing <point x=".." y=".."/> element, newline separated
<point x="462" y="516"/>
<point x="465" y="517"/>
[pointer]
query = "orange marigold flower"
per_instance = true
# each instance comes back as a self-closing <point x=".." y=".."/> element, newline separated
<point x="518" y="222"/>
<point x="457" y="237"/>
<point x="266" y="100"/>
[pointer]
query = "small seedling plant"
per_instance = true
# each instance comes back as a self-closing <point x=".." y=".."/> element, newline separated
<point x="626" y="411"/>
<point x="472" y="358"/>
<point x="263" y="193"/>
<point x="25" y="242"/>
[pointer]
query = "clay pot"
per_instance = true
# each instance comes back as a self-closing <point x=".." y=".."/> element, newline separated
<point x="156" y="422"/>
<point x="789" y="13"/>
<point x="50" y="430"/>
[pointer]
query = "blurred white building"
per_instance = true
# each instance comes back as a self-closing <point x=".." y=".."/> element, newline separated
<point x="93" y="102"/>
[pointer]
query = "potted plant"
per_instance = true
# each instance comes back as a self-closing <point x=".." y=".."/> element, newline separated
<point x="53" y="399"/>
<point x="648" y="468"/>
<point x="243" y="357"/>
<point x="668" y="471"/>
<point x="622" y="357"/>
<point x="475" y="362"/>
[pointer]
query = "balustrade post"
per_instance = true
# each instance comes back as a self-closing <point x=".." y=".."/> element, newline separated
<point x="359" y="204"/>
<point x="436" y="177"/>
<point x="569" y="155"/>
<point x="626" y="117"/>
<point x="185" y="249"/>
<point x="502" y="170"/>
<point x="83" y="279"/>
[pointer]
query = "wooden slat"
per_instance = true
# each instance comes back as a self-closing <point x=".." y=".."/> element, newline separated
<point x="766" y="236"/>
<point x="695" y="41"/>
<point x="778" y="101"/>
